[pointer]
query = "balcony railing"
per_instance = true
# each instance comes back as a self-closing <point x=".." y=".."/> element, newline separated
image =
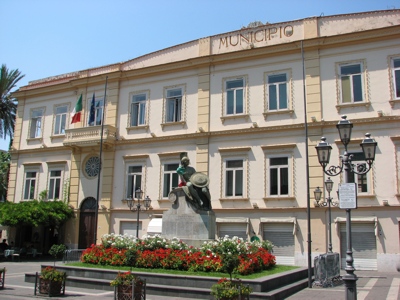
<point x="89" y="136"/>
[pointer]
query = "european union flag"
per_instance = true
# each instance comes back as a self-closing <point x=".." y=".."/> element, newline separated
<point x="92" y="112"/>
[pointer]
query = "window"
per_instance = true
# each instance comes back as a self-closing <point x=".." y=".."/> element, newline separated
<point x="30" y="185"/>
<point x="98" y="113"/>
<point x="396" y="77"/>
<point x="173" y="105"/>
<point x="138" y="110"/>
<point x="92" y="166"/>
<point x="36" y="123"/>
<point x="60" y="120"/>
<point x="235" y="96"/>
<point x="170" y="178"/>
<point x="54" y="184"/>
<point x="234" y="178"/>
<point x="278" y="176"/>
<point x="134" y="180"/>
<point x="277" y="92"/>
<point x="361" y="180"/>
<point x="351" y="83"/>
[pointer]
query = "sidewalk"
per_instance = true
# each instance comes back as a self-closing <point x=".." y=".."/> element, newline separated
<point x="371" y="285"/>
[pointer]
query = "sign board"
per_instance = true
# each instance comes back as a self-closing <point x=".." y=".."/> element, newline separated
<point x="347" y="195"/>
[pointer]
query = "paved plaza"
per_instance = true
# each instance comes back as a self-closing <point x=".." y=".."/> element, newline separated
<point x="371" y="285"/>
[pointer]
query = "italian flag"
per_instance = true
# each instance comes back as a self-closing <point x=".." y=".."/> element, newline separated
<point x="76" y="113"/>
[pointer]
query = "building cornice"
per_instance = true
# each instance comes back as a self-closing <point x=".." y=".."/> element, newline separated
<point x="234" y="132"/>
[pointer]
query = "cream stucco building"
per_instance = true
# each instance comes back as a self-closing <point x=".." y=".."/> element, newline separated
<point x="237" y="104"/>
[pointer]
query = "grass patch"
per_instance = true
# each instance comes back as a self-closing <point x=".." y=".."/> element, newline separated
<point x="274" y="270"/>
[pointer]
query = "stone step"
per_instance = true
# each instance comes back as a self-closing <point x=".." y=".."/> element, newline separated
<point x="278" y="286"/>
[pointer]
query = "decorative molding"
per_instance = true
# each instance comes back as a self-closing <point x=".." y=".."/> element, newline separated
<point x="138" y="156"/>
<point x="394" y="102"/>
<point x="343" y="106"/>
<point x="278" y="198"/>
<point x="278" y="146"/>
<point x="57" y="162"/>
<point x="234" y="199"/>
<point x="29" y="164"/>
<point x="234" y="149"/>
<point x="170" y="154"/>
<point x="232" y="117"/>
<point x="290" y="112"/>
<point x="136" y="128"/>
<point x="182" y="123"/>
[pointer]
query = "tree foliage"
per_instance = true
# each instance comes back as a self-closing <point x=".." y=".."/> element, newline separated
<point x="8" y="104"/>
<point x="34" y="213"/>
<point x="4" y="173"/>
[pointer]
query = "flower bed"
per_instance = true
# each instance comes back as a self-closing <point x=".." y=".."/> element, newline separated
<point x="156" y="252"/>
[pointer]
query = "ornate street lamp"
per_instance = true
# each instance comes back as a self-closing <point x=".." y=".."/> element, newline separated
<point x="328" y="202"/>
<point x="368" y="146"/>
<point x="130" y="202"/>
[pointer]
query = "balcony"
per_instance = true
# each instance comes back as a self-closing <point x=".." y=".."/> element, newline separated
<point x="90" y="136"/>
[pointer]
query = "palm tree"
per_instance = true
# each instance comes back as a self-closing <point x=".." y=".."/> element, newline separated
<point x="8" y="104"/>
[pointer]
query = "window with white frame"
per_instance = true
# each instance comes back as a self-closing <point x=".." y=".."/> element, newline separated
<point x="362" y="181"/>
<point x="30" y="185"/>
<point x="279" y="176"/>
<point x="134" y="180"/>
<point x="173" y="105"/>
<point x="96" y="114"/>
<point x="234" y="172"/>
<point x="351" y="83"/>
<point x="36" y="123"/>
<point x="170" y="178"/>
<point x="235" y="96"/>
<point x="277" y="91"/>
<point x="396" y="77"/>
<point x="279" y="168"/>
<point x="55" y="179"/>
<point x="60" y="119"/>
<point x="138" y="109"/>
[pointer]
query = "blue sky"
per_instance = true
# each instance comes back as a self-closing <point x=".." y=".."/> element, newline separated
<point x="45" y="38"/>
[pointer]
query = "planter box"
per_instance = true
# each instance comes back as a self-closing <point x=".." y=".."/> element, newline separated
<point x="49" y="287"/>
<point x="2" y="277"/>
<point x="130" y="292"/>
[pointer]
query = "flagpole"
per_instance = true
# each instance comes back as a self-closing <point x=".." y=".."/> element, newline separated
<point x="307" y="174"/>
<point x="100" y="165"/>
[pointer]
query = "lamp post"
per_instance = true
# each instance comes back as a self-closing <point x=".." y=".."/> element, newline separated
<point x="368" y="146"/>
<point x="138" y="206"/>
<point x="328" y="202"/>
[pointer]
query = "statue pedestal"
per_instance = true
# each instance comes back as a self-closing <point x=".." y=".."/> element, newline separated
<point x="185" y="222"/>
<point x="327" y="270"/>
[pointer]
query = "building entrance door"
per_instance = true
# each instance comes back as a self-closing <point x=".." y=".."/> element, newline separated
<point x="86" y="223"/>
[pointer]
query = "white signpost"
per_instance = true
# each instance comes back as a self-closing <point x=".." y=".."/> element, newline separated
<point x="348" y="195"/>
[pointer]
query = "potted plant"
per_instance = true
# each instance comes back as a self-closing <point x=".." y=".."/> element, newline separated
<point x="2" y="277"/>
<point x="57" y="251"/>
<point x="226" y="289"/>
<point x="129" y="286"/>
<point x="51" y="281"/>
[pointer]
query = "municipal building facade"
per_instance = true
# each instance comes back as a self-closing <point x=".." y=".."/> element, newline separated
<point x="248" y="107"/>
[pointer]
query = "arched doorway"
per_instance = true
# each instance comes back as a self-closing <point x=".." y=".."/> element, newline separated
<point x="86" y="223"/>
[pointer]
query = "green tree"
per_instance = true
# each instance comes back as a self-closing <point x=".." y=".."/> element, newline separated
<point x="34" y="213"/>
<point x="4" y="173"/>
<point x="8" y="104"/>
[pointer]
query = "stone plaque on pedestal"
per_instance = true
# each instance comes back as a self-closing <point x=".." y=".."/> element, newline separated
<point x="327" y="270"/>
<point x="186" y="222"/>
